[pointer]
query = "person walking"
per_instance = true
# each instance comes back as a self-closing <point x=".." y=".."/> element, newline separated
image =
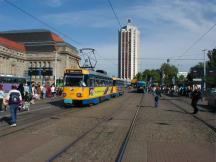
<point x="195" y="95"/>
<point x="157" y="94"/>
<point x="21" y="89"/>
<point x="53" y="90"/>
<point x="14" y="99"/>
<point x="2" y="95"/>
<point x="43" y="92"/>
<point x="27" y="99"/>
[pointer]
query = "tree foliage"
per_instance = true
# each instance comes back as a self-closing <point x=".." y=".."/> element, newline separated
<point x="153" y="75"/>
<point x="169" y="72"/>
<point x="211" y="63"/>
<point x="148" y="75"/>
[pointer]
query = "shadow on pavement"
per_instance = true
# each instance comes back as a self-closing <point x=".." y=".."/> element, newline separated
<point x="133" y="91"/>
<point x="170" y="99"/>
<point x="206" y="108"/>
<point x="5" y="119"/>
<point x="176" y="111"/>
<point x="145" y="106"/>
<point x="163" y="123"/>
<point x="58" y="103"/>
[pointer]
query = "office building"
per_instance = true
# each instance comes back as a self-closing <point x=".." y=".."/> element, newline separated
<point x="129" y="51"/>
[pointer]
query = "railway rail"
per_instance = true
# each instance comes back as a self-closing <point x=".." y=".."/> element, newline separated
<point x="129" y="132"/>
<point x="70" y="145"/>
<point x="34" y="120"/>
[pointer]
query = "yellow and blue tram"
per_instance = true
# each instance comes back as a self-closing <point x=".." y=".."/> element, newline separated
<point x="82" y="86"/>
<point x="119" y="86"/>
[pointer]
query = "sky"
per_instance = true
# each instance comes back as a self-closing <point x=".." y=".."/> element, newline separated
<point x="170" y="29"/>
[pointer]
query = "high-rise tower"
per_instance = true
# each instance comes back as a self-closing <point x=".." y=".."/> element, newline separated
<point x="129" y="51"/>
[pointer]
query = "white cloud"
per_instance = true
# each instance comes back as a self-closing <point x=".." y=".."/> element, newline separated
<point x="54" y="3"/>
<point x="189" y="15"/>
<point x="91" y="18"/>
<point x="168" y="28"/>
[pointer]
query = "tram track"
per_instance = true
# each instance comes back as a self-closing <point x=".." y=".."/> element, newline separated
<point x="129" y="132"/>
<point x="87" y="132"/>
<point x="35" y="121"/>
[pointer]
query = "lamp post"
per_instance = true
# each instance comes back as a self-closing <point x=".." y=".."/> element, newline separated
<point x="30" y="85"/>
<point x="55" y="75"/>
<point x="204" y="71"/>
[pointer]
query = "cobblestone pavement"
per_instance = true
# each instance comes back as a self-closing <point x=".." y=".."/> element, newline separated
<point x="42" y="141"/>
<point x="164" y="134"/>
<point x="169" y="134"/>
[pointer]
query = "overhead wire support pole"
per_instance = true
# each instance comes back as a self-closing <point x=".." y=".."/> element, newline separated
<point x="55" y="68"/>
<point x="204" y="70"/>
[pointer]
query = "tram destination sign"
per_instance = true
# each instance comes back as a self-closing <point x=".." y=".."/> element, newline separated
<point x="73" y="72"/>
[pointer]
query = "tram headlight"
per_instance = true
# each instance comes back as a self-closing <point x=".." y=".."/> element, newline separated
<point x="79" y="94"/>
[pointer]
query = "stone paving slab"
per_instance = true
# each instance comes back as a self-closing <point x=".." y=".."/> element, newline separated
<point x="168" y="134"/>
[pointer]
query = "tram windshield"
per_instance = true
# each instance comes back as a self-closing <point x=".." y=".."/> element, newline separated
<point x="74" y="81"/>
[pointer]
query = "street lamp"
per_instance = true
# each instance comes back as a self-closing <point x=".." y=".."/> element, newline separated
<point x="55" y="75"/>
<point x="204" y="71"/>
<point x="30" y="84"/>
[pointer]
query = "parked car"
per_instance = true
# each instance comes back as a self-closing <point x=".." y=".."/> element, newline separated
<point x="211" y="97"/>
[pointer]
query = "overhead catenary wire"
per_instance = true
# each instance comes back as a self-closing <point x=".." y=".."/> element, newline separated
<point x="196" y="41"/>
<point x="39" y="20"/>
<point x="116" y="17"/>
<point x="116" y="59"/>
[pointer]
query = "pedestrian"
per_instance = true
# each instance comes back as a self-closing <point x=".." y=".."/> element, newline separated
<point x="157" y="95"/>
<point x="53" y="90"/>
<point x="43" y="91"/>
<point x="27" y="99"/>
<point x="26" y="88"/>
<point x="2" y="95"/>
<point x="14" y="99"/>
<point x="195" y="95"/>
<point x="21" y="89"/>
<point x="48" y="91"/>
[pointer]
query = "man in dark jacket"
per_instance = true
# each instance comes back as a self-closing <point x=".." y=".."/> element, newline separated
<point x="196" y="95"/>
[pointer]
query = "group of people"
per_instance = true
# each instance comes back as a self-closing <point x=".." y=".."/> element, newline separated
<point x="195" y="96"/>
<point x="42" y="91"/>
<point x="20" y="98"/>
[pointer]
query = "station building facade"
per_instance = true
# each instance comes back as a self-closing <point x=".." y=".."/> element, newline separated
<point x="21" y="50"/>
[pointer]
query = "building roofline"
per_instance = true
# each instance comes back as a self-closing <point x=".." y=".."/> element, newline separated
<point x="25" y="31"/>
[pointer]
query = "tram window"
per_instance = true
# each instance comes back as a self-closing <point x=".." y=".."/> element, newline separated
<point x="73" y="81"/>
<point x="91" y="82"/>
<point x="97" y="83"/>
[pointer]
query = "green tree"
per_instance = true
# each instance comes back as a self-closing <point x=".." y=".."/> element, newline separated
<point x="181" y="79"/>
<point x="138" y="76"/>
<point x="153" y="74"/>
<point x="169" y="72"/>
<point x="212" y="58"/>
<point x="211" y="63"/>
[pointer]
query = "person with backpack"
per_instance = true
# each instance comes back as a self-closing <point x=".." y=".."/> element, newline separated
<point x="14" y="100"/>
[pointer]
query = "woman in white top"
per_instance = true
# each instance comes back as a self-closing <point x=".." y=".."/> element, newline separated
<point x="53" y="90"/>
